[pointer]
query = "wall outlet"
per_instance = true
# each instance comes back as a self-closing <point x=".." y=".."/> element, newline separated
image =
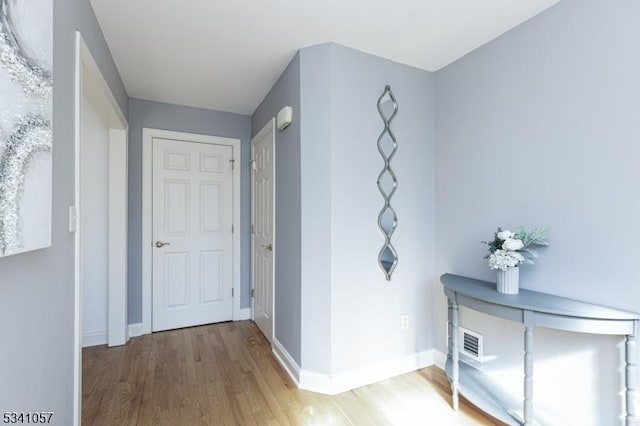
<point x="404" y="321"/>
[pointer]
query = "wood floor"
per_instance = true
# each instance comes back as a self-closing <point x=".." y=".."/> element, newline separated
<point x="225" y="374"/>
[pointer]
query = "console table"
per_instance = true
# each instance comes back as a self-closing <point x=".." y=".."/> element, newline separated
<point x="532" y="309"/>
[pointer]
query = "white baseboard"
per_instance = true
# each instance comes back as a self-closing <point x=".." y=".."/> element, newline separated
<point x="343" y="382"/>
<point x="136" y="330"/>
<point x="245" y="314"/>
<point x="94" y="338"/>
<point x="332" y="385"/>
<point x="287" y="361"/>
<point x="316" y="382"/>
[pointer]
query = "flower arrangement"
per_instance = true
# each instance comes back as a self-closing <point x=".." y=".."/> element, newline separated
<point x="510" y="249"/>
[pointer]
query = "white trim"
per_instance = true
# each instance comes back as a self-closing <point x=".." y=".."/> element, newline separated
<point x="77" y="290"/>
<point x="343" y="382"/>
<point x="94" y="338"/>
<point x="147" y="180"/>
<point x="316" y="382"/>
<point x="439" y="359"/>
<point x="118" y="236"/>
<point x="136" y="329"/>
<point x="89" y="82"/>
<point x="245" y="314"/>
<point x="270" y="126"/>
<point x="286" y="361"/>
<point x="147" y="237"/>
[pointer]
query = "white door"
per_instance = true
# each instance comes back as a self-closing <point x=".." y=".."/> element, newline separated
<point x="263" y="166"/>
<point x="192" y="234"/>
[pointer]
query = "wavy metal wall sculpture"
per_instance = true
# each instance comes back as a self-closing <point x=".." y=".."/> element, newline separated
<point x="387" y="182"/>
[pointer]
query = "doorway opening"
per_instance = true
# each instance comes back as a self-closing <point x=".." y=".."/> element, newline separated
<point x="99" y="215"/>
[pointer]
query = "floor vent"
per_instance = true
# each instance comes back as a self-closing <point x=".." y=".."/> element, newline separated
<point x="469" y="344"/>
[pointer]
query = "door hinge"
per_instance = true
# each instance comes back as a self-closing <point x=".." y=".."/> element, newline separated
<point x="233" y="228"/>
<point x="233" y="293"/>
<point x="253" y="229"/>
<point x="253" y="164"/>
<point x="233" y="163"/>
<point x="253" y="292"/>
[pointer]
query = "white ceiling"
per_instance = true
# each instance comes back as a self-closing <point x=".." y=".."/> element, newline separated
<point x="226" y="54"/>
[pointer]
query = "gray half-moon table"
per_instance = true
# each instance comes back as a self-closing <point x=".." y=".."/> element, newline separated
<point x="532" y="309"/>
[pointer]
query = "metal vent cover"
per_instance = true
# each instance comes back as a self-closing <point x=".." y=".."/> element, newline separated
<point x="470" y="343"/>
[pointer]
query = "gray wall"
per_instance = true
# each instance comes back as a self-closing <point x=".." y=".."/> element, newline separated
<point x="287" y="287"/>
<point x="158" y="115"/>
<point x="540" y="127"/>
<point x="327" y="203"/>
<point x="315" y="95"/>
<point x="36" y="289"/>
<point x="365" y="308"/>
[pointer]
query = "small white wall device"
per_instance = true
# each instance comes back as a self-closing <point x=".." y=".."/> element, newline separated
<point x="284" y="117"/>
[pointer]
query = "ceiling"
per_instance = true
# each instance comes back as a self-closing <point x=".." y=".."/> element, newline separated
<point x="226" y="54"/>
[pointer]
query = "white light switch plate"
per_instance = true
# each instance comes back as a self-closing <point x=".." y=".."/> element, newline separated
<point x="73" y="219"/>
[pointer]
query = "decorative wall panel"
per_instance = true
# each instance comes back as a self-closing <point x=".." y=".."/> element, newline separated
<point x="26" y="86"/>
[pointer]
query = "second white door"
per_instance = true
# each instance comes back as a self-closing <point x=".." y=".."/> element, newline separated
<point x="263" y="165"/>
<point x="192" y="234"/>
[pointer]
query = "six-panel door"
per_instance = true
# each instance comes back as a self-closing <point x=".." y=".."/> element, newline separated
<point x="192" y="234"/>
<point x="263" y="236"/>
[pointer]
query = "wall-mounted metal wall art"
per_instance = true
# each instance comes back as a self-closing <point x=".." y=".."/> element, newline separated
<point x="26" y="57"/>
<point x="387" y="182"/>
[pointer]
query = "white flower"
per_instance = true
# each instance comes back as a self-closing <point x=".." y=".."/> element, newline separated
<point x="505" y="235"/>
<point x="512" y="244"/>
<point x="504" y="259"/>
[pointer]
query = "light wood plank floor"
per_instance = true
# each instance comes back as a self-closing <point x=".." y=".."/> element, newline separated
<point x="225" y="374"/>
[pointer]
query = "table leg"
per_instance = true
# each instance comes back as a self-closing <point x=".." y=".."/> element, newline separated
<point x="528" y="376"/>
<point x="631" y="375"/>
<point x="449" y="328"/>
<point x="455" y="356"/>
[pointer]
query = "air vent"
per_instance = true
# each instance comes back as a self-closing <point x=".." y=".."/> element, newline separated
<point x="470" y="343"/>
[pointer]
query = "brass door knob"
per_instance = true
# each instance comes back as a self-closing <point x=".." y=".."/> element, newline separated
<point x="267" y="247"/>
<point x="161" y="244"/>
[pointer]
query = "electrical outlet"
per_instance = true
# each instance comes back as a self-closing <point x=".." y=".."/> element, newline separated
<point x="404" y="321"/>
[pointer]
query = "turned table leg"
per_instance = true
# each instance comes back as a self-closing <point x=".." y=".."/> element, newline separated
<point x="528" y="376"/>
<point x="455" y="355"/>
<point x="631" y="375"/>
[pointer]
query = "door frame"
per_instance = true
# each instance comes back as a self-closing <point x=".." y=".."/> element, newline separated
<point x="148" y="134"/>
<point x="269" y="126"/>
<point x="91" y="84"/>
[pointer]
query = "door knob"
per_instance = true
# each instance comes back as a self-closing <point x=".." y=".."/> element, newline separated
<point x="161" y="244"/>
<point x="268" y="247"/>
